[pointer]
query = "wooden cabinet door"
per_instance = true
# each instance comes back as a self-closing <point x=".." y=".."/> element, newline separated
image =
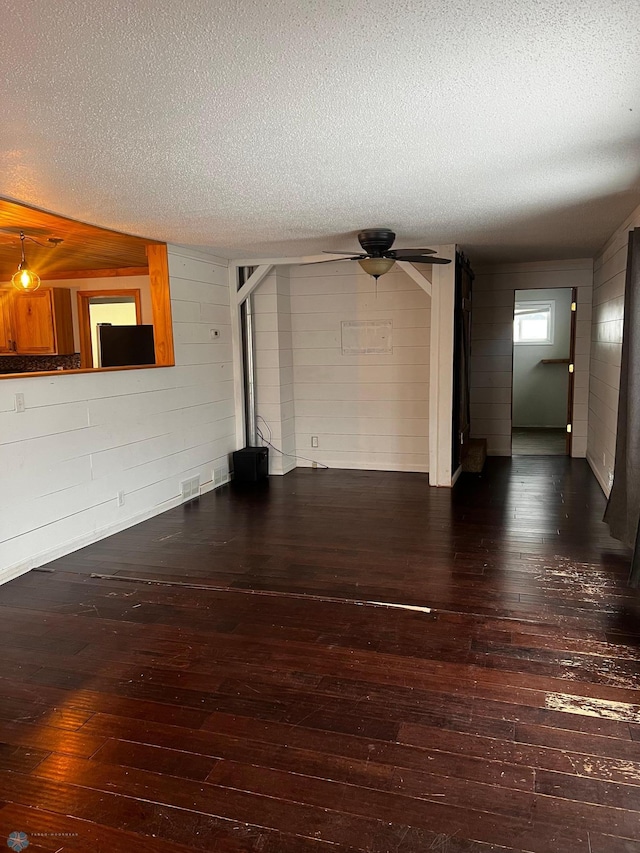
<point x="6" y="341"/>
<point x="33" y="323"/>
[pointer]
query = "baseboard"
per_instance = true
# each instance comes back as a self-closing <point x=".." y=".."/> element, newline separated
<point x="366" y="466"/>
<point x="284" y="469"/>
<point x="603" y="485"/>
<point x="12" y="572"/>
<point x="454" y="479"/>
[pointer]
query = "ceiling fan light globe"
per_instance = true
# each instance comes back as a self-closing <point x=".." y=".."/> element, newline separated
<point x="26" y="281"/>
<point x="376" y="266"/>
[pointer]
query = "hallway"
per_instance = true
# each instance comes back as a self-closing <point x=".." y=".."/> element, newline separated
<point x="273" y="699"/>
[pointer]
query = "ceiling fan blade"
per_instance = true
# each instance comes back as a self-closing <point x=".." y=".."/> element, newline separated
<point x="421" y="259"/>
<point x="411" y="252"/>
<point x="329" y="252"/>
<point x="333" y="260"/>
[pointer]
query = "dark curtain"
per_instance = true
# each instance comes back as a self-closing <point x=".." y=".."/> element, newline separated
<point x="623" y="509"/>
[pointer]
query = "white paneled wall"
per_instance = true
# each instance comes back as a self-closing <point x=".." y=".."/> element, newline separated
<point x="369" y="411"/>
<point x="274" y="369"/>
<point x="492" y="345"/>
<point x="85" y="437"/>
<point x="606" y="350"/>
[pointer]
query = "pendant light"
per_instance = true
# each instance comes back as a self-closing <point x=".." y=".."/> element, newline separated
<point x="24" y="280"/>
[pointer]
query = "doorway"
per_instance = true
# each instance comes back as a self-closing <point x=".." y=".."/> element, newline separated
<point x="95" y="308"/>
<point x="543" y="347"/>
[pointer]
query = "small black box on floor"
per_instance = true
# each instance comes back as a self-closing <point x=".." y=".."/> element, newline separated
<point x="251" y="464"/>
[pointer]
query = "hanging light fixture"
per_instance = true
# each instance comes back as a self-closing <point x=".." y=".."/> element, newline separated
<point x="376" y="266"/>
<point x="24" y="280"/>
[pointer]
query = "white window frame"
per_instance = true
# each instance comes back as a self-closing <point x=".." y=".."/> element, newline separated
<point x="522" y="308"/>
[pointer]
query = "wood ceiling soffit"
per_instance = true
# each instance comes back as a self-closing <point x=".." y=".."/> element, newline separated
<point x="85" y="248"/>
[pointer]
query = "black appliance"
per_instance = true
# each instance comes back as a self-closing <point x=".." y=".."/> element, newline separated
<point x="121" y="346"/>
<point x="251" y="464"/>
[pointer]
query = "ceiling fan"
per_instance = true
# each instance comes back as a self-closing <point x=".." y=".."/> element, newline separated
<point x="378" y="257"/>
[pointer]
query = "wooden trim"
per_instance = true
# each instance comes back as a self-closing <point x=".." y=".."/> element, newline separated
<point x="84" y="332"/>
<point x="73" y="274"/>
<point x="572" y="374"/>
<point x="161" y="304"/>
<point x="252" y="282"/>
<point x="84" y="318"/>
<point x="415" y="275"/>
<point x="81" y="370"/>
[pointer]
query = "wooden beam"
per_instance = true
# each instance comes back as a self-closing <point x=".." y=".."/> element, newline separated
<point x="422" y="281"/>
<point x="252" y="282"/>
<point x="73" y="274"/>
<point x="161" y="303"/>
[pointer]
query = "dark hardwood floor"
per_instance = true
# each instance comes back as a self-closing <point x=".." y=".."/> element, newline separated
<point x="270" y="705"/>
<point x="528" y="441"/>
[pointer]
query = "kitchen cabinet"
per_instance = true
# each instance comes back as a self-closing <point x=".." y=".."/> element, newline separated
<point x="36" y="323"/>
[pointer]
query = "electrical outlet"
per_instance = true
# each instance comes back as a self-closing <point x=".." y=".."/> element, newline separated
<point x="120" y="498"/>
<point x="214" y="334"/>
<point x="19" y="402"/>
<point x="314" y="441"/>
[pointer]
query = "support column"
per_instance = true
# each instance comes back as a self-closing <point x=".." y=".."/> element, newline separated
<point x="441" y="369"/>
<point x="274" y="369"/>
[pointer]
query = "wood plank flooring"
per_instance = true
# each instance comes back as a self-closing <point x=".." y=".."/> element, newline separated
<point x="264" y="698"/>
<point x="531" y="441"/>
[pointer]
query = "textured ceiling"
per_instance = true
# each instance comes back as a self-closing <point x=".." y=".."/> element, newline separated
<point x="282" y="126"/>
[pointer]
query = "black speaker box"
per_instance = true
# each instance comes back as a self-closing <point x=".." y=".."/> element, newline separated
<point x="251" y="464"/>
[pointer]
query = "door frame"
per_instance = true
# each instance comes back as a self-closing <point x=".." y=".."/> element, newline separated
<point x="84" y="319"/>
<point x="572" y="368"/>
<point x="571" y="365"/>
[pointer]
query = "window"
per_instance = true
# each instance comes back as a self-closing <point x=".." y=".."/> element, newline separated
<point x="533" y="322"/>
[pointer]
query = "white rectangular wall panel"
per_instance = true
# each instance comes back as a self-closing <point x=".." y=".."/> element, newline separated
<point x="368" y="401"/>
<point x="367" y="337"/>
<point x="609" y="273"/>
